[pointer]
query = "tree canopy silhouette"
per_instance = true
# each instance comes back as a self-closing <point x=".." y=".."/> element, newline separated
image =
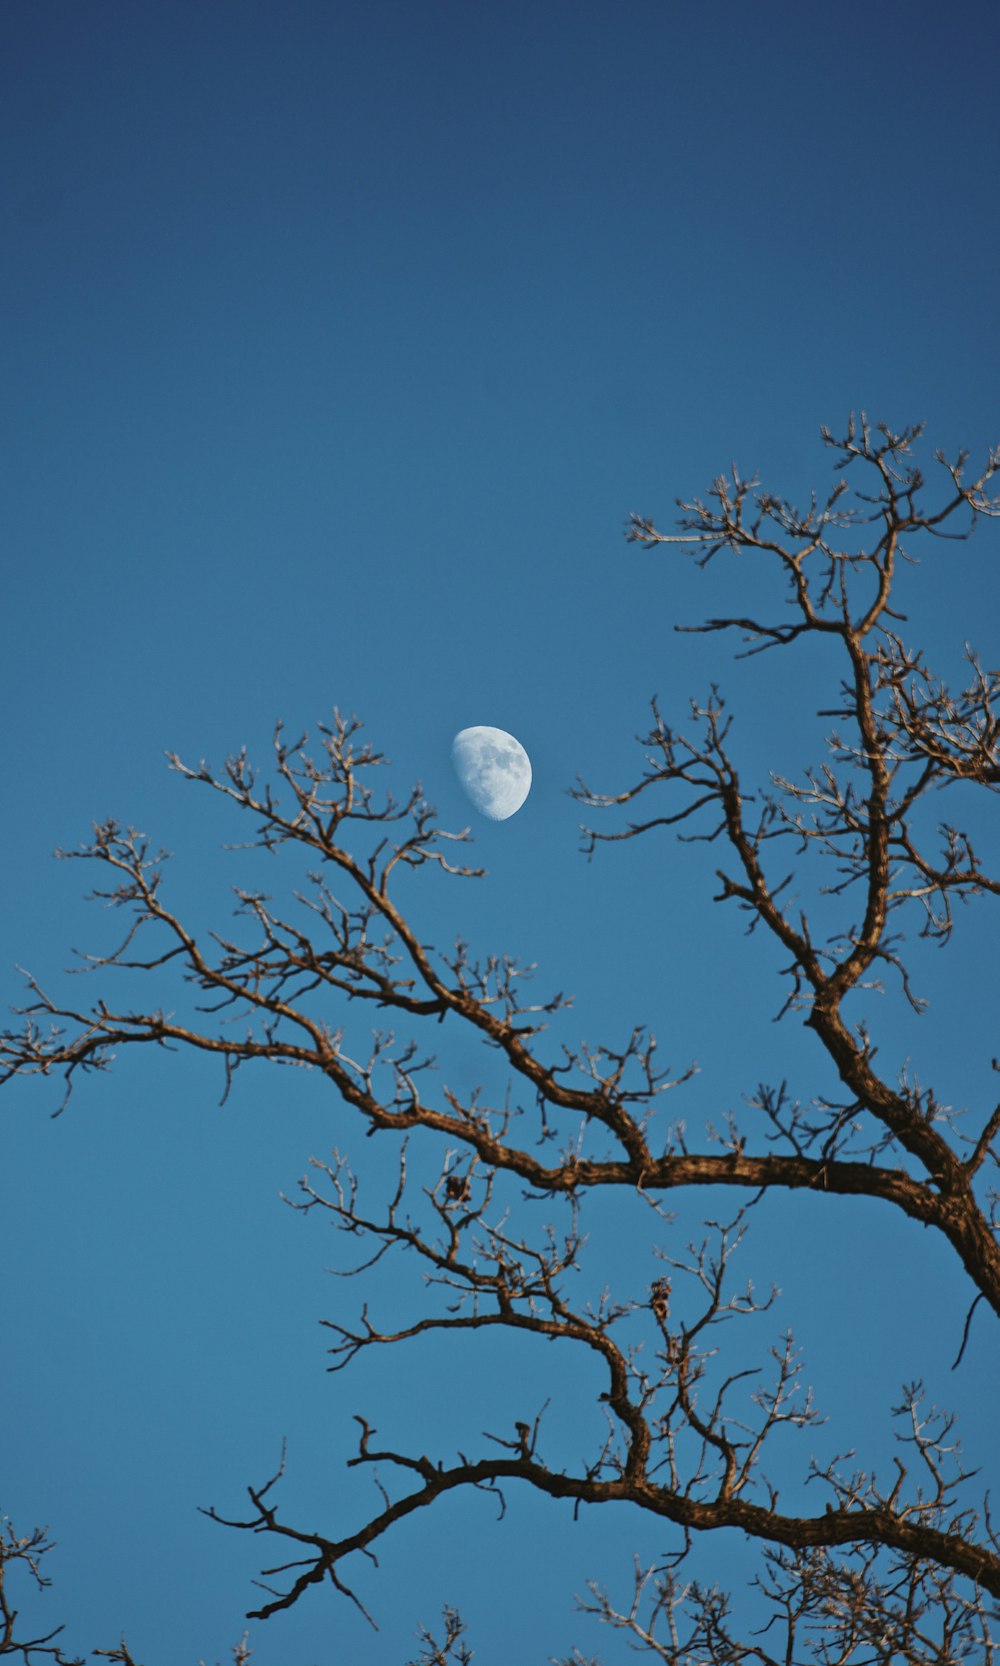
<point x="491" y="1192"/>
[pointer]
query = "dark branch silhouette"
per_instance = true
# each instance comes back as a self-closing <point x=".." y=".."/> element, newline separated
<point x="899" y="1567"/>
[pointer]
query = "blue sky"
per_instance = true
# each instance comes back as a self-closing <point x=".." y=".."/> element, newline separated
<point x="340" y="340"/>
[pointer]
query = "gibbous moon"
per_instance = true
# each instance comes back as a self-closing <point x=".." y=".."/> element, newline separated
<point x="493" y="768"/>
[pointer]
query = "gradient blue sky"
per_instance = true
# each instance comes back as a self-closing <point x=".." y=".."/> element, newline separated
<point x="339" y="341"/>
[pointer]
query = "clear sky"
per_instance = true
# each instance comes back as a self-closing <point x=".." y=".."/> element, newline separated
<point x="339" y="340"/>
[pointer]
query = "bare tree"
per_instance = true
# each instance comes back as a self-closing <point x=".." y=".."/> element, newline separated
<point x="897" y="1567"/>
<point x="25" y="1552"/>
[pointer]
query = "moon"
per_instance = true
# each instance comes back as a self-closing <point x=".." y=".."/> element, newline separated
<point x="494" y="769"/>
